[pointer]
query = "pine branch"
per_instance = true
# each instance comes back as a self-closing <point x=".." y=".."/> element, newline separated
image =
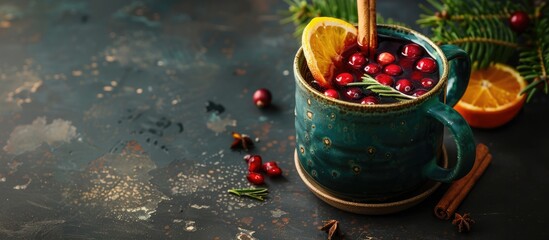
<point x="457" y="11"/>
<point x="300" y="12"/>
<point x="383" y="91"/>
<point x="534" y="60"/>
<point x="477" y="26"/>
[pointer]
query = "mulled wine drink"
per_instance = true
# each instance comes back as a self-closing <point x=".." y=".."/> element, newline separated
<point x="402" y="65"/>
<point x="348" y="152"/>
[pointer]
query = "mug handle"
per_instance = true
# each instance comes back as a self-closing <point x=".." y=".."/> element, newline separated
<point x="463" y="136"/>
<point x="458" y="74"/>
<point x="458" y="78"/>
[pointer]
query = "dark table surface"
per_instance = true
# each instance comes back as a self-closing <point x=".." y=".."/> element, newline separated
<point x="116" y="120"/>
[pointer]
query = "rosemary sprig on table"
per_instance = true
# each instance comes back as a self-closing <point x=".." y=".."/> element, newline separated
<point x="383" y="91"/>
<point x="255" y="193"/>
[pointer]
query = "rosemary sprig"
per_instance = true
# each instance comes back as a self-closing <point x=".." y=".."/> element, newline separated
<point x="382" y="90"/>
<point x="255" y="193"/>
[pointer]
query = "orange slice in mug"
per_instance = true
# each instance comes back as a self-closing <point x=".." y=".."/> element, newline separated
<point x="324" y="39"/>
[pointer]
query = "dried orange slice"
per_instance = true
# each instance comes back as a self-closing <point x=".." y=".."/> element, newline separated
<point x="492" y="97"/>
<point x="324" y="39"/>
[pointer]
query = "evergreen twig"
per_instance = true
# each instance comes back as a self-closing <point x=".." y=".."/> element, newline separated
<point x="477" y="26"/>
<point x="301" y="12"/>
<point x="481" y="28"/>
<point x="383" y="91"/>
<point x="255" y="193"/>
<point x="534" y="60"/>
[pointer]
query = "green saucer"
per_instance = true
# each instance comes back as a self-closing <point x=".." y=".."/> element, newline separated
<point x="370" y="208"/>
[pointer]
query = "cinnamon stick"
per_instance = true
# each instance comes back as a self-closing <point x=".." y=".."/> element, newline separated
<point x="372" y="46"/>
<point x="459" y="189"/>
<point x="367" y="31"/>
<point x="363" y="24"/>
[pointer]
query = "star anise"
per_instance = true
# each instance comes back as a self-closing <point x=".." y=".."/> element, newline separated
<point x="242" y="141"/>
<point x="331" y="227"/>
<point x="463" y="222"/>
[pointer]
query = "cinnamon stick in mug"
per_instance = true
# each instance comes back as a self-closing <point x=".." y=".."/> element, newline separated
<point x="367" y="30"/>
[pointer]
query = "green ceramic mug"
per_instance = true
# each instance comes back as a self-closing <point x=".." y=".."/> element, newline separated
<point x="365" y="153"/>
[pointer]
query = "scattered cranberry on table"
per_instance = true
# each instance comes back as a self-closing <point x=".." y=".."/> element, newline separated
<point x="272" y="169"/>
<point x="255" y="178"/>
<point x="256" y="167"/>
<point x="254" y="163"/>
<point x="274" y="172"/>
<point x="262" y="97"/>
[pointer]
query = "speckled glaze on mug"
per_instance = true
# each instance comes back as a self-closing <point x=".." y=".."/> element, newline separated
<point x="367" y="153"/>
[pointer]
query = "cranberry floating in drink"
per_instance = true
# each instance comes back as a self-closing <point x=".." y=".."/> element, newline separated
<point x="412" y="50"/>
<point x="404" y="66"/>
<point x="357" y="60"/>
<point x="331" y="93"/>
<point x="344" y="78"/>
<point x="372" y="68"/>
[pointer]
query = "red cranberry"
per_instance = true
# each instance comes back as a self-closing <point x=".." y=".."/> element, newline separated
<point x="419" y="92"/>
<point x="372" y="68"/>
<point x="369" y="100"/>
<point x="262" y="97"/>
<point x="411" y="50"/>
<point x="427" y="82"/>
<point x="255" y="178"/>
<point x="331" y="93"/>
<point x="416" y="75"/>
<point x="268" y="165"/>
<point x="274" y="172"/>
<point x="247" y="157"/>
<point x="385" y="79"/>
<point x="426" y="65"/>
<point x="357" y="60"/>
<point x="519" y="21"/>
<point x="385" y="58"/>
<point x="407" y="63"/>
<point x="393" y="70"/>
<point x="272" y="169"/>
<point x="254" y="163"/>
<point x="353" y="92"/>
<point x="344" y="78"/>
<point x="404" y="85"/>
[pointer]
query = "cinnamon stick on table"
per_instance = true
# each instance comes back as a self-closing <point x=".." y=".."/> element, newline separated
<point x="367" y="30"/>
<point x="459" y="189"/>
